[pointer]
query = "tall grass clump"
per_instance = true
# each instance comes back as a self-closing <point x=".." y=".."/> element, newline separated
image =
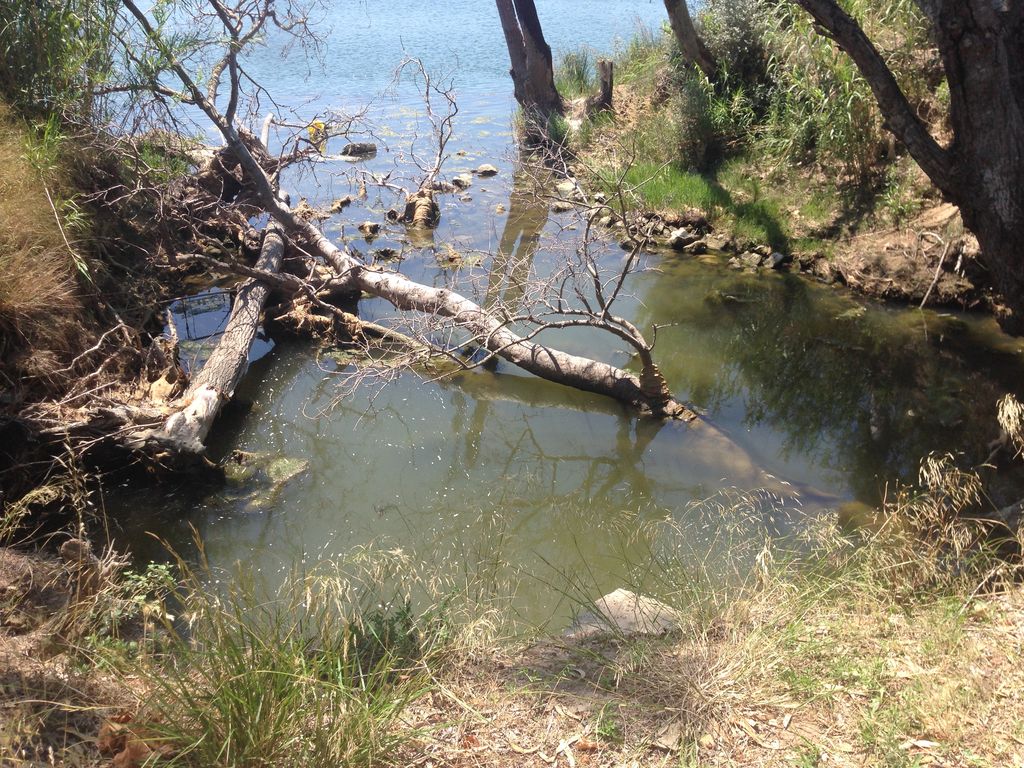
<point x="820" y="109"/>
<point x="315" y="672"/>
<point x="38" y="273"/>
<point x="574" y="74"/>
<point x="642" y="57"/>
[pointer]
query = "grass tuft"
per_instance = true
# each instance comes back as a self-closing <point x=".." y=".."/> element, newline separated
<point x="37" y="266"/>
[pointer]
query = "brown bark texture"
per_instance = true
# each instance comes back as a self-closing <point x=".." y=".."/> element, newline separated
<point x="690" y="45"/>
<point x="532" y="71"/>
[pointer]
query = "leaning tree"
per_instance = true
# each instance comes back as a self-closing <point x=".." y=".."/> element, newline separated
<point x="981" y="168"/>
<point x="691" y="47"/>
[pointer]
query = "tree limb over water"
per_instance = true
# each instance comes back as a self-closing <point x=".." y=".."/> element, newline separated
<point x="647" y="392"/>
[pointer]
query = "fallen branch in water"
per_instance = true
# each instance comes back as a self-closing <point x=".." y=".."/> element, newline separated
<point x="186" y="429"/>
<point x="646" y="392"/>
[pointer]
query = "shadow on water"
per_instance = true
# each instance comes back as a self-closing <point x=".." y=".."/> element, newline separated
<point x="863" y="390"/>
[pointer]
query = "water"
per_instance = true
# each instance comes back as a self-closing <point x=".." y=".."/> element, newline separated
<point x="813" y="394"/>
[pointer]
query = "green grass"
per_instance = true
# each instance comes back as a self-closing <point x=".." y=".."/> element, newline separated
<point x="667" y="187"/>
<point x="574" y="73"/>
<point x="315" y="673"/>
<point x="740" y="207"/>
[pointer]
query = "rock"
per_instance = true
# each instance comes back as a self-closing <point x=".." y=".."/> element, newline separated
<point x="567" y="188"/>
<point x="625" y="613"/>
<point x="444" y="187"/>
<point x="600" y="198"/>
<point x="762" y="250"/>
<point x="466" y="199"/>
<point x="570" y="190"/>
<point x="486" y="170"/>
<point x="718" y="243"/>
<point x="778" y="260"/>
<point x="561" y="206"/>
<point x="823" y="270"/>
<point x="735" y="263"/>
<point x="696" y="247"/>
<point x="499" y="208"/>
<point x="385" y="254"/>
<point x="606" y="221"/>
<point x="682" y="237"/>
<point x="281" y="469"/>
<point x="462" y="181"/>
<point x="83" y="565"/>
<point x="750" y="259"/>
<point x="359" y="149"/>
<point x="369" y="228"/>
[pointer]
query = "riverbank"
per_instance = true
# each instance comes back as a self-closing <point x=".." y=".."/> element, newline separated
<point x="783" y="152"/>
<point x="897" y="648"/>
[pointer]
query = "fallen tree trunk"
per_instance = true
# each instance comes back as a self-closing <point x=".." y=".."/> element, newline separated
<point x="403" y="293"/>
<point x="538" y="359"/>
<point x="186" y="429"/>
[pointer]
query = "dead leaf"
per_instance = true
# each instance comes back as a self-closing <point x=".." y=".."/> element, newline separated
<point x="669" y="737"/>
<point x="134" y="754"/>
<point x="919" y="744"/>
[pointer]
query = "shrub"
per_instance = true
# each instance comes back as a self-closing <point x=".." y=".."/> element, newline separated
<point x="52" y="53"/>
<point x="737" y="34"/>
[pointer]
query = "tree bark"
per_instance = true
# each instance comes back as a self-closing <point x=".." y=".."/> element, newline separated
<point x="602" y="100"/>
<point x="533" y="76"/>
<point x="186" y="429"/>
<point x="982" y="169"/>
<point x="691" y="46"/>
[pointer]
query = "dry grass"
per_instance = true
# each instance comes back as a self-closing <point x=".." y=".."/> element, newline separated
<point x="886" y="652"/>
<point x="38" y="288"/>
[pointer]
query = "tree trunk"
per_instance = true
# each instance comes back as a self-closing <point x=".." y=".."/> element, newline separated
<point x="516" y="48"/>
<point x="982" y="169"/>
<point x="691" y="46"/>
<point x="983" y="55"/>
<point x="533" y="77"/>
<point x="602" y="100"/>
<point x="186" y="429"/>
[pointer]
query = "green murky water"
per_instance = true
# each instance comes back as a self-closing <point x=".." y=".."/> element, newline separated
<point x="815" y="396"/>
